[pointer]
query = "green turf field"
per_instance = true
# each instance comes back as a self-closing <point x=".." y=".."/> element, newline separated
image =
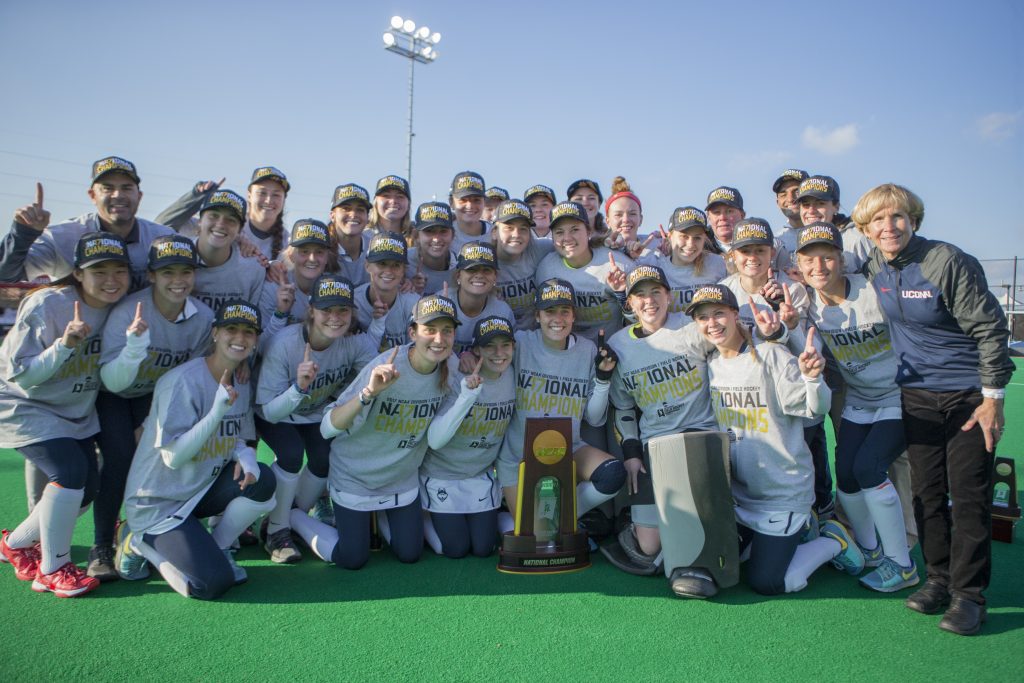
<point x="462" y="620"/>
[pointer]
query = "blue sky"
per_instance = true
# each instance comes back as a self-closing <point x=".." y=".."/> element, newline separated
<point x="677" y="97"/>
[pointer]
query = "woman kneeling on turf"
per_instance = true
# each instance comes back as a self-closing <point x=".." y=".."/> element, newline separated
<point x="379" y="425"/>
<point x="193" y="463"/>
<point x="759" y="395"/>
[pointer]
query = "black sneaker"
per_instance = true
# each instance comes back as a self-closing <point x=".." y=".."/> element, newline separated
<point x="596" y="524"/>
<point x="101" y="563"/>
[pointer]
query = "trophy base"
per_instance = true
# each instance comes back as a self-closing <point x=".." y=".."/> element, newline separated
<point x="1002" y="527"/>
<point x="520" y="555"/>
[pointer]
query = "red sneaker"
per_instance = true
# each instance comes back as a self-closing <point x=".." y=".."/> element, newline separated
<point x="67" y="582"/>
<point x="25" y="560"/>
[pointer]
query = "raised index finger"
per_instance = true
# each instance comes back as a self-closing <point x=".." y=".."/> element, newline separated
<point x="479" y="364"/>
<point x="785" y="294"/>
<point x="600" y="339"/>
<point x="393" y="356"/>
<point x="39" y="195"/>
<point x="78" y="313"/>
<point x="306" y="358"/>
<point x="225" y="379"/>
<point x="611" y="259"/>
<point x="650" y="238"/>
<point x="138" y="311"/>
<point x="810" y="339"/>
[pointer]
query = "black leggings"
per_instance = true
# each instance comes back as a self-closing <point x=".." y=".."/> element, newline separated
<point x="191" y="548"/>
<point x="353" y="548"/>
<point x="461" y="533"/>
<point x="288" y="441"/>
<point x="119" y="418"/>
<point x="69" y="463"/>
<point x="770" y="557"/>
<point x="865" y="451"/>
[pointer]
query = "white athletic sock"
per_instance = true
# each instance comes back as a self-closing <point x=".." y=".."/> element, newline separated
<point x="27" y="533"/>
<point x="808" y="557"/>
<point x="861" y="519"/>
<point x="58" y="512"/>
<point x="174" y="577"/>
<point x="887" y="511"/>
<point x="287" y="483"/>
<point x="317" y="535"/>
<point x="383" y="526"/>
<point x="506" y="523"/>
<point x="588" y="497"/>
<point x="311" y="487"/>
<point x="237" y="516"/>
<point x="430" y="534"/>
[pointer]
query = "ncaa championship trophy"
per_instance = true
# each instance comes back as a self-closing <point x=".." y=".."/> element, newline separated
<point x="546" y="538"/>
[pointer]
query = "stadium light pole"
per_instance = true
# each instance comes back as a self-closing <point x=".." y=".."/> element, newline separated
<point x="417" y="45"/>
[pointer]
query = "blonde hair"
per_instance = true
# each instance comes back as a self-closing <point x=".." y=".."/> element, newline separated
<point x="749" y="338"/>
<point x="619" y="184"/>
<point x="887" y="196"/>
<point x="407" y="231"/>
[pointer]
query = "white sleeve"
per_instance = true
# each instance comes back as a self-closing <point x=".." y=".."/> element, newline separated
<point x="245" y="456"/>
<point x="44" y="366"/>
<point x="819" y="396"/>
<point x="119" y="373"/>
<point x="443" y="427"/>
<point x="283" y="405"/>
<point x="182" y="449"/>
<point x="597" y="404"/>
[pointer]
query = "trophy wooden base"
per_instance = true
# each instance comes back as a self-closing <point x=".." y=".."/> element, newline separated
<point x="520" y="554"/>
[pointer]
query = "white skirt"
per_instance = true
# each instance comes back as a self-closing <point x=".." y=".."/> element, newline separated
<point x="354" y="501"/>
<point x="460" y="496"/>
<point x="773" y="523"/>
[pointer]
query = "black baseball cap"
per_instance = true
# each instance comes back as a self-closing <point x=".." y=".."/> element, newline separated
<point x="387" y="246"/>
<point x="584" y="182"/>
<point x="687" y="217"/>
<point x="97" y="247"/>
<point x="564" y="210"/>
<point x="473" y="254"/>
<point x="490" y="328"/>
<point x="331" y="290"/>
<point x="468" y="184"/>
<point x="712" y="294"/>
<point x="543" y="190"/>
<point x="729" y="196"/>
<point x="114" y="165"/>
<point x="819" y="187"/>
<point x="434" y="214"/>
<point x="645" y="273"/>
<point x="789" y="175"/>
<point x="271" y="173"/>
<point x="554" y="292"/>
<point x="513" y="210"/>
<point x="433" y="307"/>
<point x="226" y="199"/>
<point x="238" y="312"/>
<point x="750" y="231"/>
<point x="393" y="182"/>
<point x="171" y="250"/>
<point x="310" y="231"/>
<point x="350" y="192"/>
<point x="499" y="193"/>
<point x="819" y="232"/>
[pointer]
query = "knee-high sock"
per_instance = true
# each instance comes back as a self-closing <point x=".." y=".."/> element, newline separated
<point x="860" y="517"/>
<point x="317" y="535"/>
<point x="886" y="510"/>
<point x="239" y="514"/>
<point x="808" y="557"/>
<point x="430" y="534"/>
<point x="58" y="511"/>
<point x="506" y="523"/>
<point x="383" y="526"/>
<point x="287" y="483"/>
<point x="588" y="497"/>
<point x="311" y="487"/>
<point x="174" y="577"/>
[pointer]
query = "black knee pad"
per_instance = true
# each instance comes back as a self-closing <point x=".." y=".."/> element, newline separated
<point x="609" y="476"/>
<point x="767" y="585"/>
<point x="264" y="487"/>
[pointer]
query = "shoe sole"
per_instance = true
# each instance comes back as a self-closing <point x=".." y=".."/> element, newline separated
<point x="948" y="629"/>
<point x="103" y="577"/>
<point x="290" y="559"/>
<point x="938" y="609"/>
<point x="891" y="589"/>
<point x="40" y="588"/>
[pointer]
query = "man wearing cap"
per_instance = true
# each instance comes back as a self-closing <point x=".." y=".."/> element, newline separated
<point x="493" y="197"/>
<point x="818" y="200"/>
<point x="786" y="188"/>
<point x="350" y="212"/>
<point x="724" y="210"/>
<point x="34" y="249"/>
<point x="466" y="198"/>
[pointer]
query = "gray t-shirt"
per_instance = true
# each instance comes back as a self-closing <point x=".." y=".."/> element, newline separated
<point x="63" y="405"/>
<point x="665" y="375"/>
<point x="265" y="243"/>
<point x="396" y="322"/>
<point x="170" y="343"/>
<point x="797" y="294"/>
<point x="354" y="268"/>
<point x="464" y="332"/>
<point x="435" y="278"/>
<point x="462" y="238"/>
<point x="268" y="306"/>
<point x="683" y="280"/>
<point x="181" y="398"/>
<point x="857" y="334"/>
<point x="759" y="403"/>
<point x="474" y="448"/>
<point x="338" y="362"/>
<point x="549" y="383"/>
<point x="382" y="453"/>
<point x="236" y="278"/>
<point x="517" y="283"/>
<point x="596" y="305"/>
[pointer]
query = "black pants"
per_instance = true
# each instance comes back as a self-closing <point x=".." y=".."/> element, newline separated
<point x="119" y="418"/>
<point x="817" y="443"/>
<point x="770" y="557"/>
<point x="353" y="548"/>
<point x="947" y="463"/>
<point x="461" y="534"/>
<point x="289" y="441"/>
<point x="69" y="463"/>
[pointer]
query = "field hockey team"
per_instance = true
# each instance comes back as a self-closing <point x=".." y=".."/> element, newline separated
<point x="389" y="357"/>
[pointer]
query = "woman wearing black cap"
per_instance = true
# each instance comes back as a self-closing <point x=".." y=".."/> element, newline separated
<point x="587" y="193"/>
<point x="391" y="202"/>
<point x="466" y="197"/>
<point x="49" y="377"/>
<point x="350" y="213"/>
